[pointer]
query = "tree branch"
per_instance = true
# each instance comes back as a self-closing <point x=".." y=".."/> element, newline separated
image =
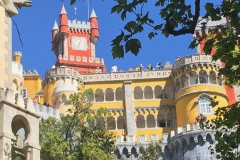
<point x="183" y="31"/>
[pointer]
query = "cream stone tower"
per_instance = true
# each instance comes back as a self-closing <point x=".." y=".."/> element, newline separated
<point x="16" y="113"/>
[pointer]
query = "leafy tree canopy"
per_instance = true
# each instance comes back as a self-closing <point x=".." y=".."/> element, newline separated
<point x="152" y="152"/>
<point x="78" y="135"/>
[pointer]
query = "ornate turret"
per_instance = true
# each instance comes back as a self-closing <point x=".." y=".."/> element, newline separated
<point x="210" y="24"/>
<point x="94" y="27"/>
<point x="63" y="18"/>
<point x="17" y="57"/>
<point x="54" y="30"/>
<point x="196" y="82"/>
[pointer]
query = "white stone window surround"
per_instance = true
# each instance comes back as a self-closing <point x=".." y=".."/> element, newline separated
<point x="204" y="104"/>
<point x="78" y="58"/>
<point x="154" y="137"/>
<point x="71" y="58"/>
<point x="142" y="138"/>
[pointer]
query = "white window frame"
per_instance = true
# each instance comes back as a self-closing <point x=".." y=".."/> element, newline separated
<point x="71" y="58"/>
<point x="204" y="104"/>
<point x="142" y="138"/>
<point x="154" y="137"/>
<point x="78" y="59"/>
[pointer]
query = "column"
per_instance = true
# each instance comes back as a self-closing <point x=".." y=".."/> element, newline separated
<point x="163" y="94"/>
<point x="129" y="108"/>
<point x="136" y="123"/>
<point x="143" y="94"/>
<point x="154" y="94"/>
<point x="208" y="79"/>
<point x="116" y="122"/>
<point x="198" y="81"/>
<point x="145" y="120"/>
<point x="104" y="96"/>
<point x="155" y="121"/>
<point x="165" y="122"/>
<point x="216" y="80"/>
<point x="114" y="95"/>
<point x="188" y="78"/>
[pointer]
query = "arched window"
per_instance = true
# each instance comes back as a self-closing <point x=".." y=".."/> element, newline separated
<point x="64" y="99"/>
<point x="201" y="80"/>
<point x="205" y="104"/>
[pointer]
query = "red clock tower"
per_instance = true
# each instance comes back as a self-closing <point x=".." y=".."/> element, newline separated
<point x="73" y="43"/>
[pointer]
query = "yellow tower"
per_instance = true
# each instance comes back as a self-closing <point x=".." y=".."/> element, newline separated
<point x="59" y="84"/>
<point x="17" y="73"/>
<point x="196" y="81"/>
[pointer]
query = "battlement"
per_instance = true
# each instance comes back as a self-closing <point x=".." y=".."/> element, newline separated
<point x="62" y="72"/>
<point x="195" y="59"/>
<point x="79" y="25"/>
<point x="45" y="111"/>
<point x="193" y="140"/>
<point x="17" y="53"/>
<point x="30" y="72"/>
<point x="209" y="24"/>
<point x="17" y="101"/>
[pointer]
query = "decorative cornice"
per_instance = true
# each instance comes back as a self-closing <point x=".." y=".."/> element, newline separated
<point x="197" y="92"/>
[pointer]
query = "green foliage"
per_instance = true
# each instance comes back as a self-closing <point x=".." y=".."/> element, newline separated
<point x="79" y="134"/>
<point x="152" y="152"/>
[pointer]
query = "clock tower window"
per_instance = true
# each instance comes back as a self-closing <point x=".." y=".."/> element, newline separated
<point x="84" y="59"/>
<point x="65" y="57"/>
<point x="71" y="58"/>
<point x="78" y="58"/>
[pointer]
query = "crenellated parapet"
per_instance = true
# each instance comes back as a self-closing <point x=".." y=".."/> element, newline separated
<point x="189" y="142"/>
<point x="195" y="60"/>
<point x="209" y="24"/>
<point x="62" y="72"/>
<point x="79" y="26"/>
<point x="30" y="72"/>
<point x="17" y="101"/>
<point x="46" y="111"/>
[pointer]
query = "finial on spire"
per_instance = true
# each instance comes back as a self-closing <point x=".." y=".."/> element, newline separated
<point x="75" y="12"/>
<point x="55" y="26"/>
<point x="63" y="11"/>
<point x="93" y="14"/>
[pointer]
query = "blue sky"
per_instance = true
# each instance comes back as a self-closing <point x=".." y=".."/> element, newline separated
<point x="35" y="25"/>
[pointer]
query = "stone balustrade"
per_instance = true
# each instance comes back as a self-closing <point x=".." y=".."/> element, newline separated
<point x="62" y="71"/>
<point x="123" y="76"/>
<point x="196" y="59"/>
<point x="113" y="76"/>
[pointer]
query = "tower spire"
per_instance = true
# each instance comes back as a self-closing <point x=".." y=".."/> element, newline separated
<point x="63" y="11"/>
<point x="75" y="13"/>
<point x="93" y="14"/>
<point x="55" y="26"/>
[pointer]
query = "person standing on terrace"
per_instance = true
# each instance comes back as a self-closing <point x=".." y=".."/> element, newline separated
<point x="141" y="67"/>
<point x="114" y="68"/>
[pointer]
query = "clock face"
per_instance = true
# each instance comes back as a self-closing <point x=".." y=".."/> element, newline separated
<point x="60" y="48"/>
<point x="79" y="43"/>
